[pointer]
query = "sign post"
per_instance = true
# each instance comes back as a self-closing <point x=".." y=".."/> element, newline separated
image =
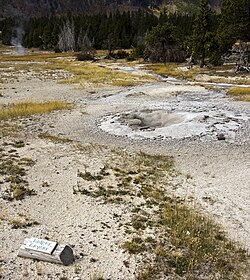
<point x="45" y="250"/>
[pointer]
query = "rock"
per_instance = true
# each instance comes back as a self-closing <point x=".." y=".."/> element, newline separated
<point x="131" y="122"/>
<point x="144" y="128"/>
<point x="221" y="136"/>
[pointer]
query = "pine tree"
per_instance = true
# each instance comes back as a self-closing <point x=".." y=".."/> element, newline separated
<point x="161" y="44"/>
<point x="202" y="32"/>
<point x="234" y="23"/>
<point x="7" y="31"/>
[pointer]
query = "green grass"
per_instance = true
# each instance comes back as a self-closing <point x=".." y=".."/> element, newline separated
<point x="240" y="93"/>
<point x="27" y="109"/>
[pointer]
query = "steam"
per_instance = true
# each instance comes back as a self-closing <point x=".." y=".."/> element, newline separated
<point x="17" y="40"/>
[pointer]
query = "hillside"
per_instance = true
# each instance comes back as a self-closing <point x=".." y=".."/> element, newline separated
<point x="187" y="6"/>
<point x="39" y="8"/>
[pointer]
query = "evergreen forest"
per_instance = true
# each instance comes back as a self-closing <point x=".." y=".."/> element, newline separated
<point x="204" y="35"/>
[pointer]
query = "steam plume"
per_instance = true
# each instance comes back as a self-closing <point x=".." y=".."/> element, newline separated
<point x="17" y="40"/>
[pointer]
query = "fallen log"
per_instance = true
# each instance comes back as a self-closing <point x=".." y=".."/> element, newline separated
<point x="242" y="68"/>
<point x="44" y="250"/>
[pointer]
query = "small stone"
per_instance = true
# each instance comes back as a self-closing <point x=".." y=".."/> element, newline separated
<point x="221" y="136"/>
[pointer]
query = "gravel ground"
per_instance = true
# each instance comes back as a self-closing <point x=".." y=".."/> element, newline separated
<point x="207" y="133"/>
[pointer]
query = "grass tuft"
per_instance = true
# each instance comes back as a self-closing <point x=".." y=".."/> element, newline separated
<point x="135" y="246"/>
<point x="54" y="138"/>
<point x="22" y="222"/>
<point x="26" y="109"/>
<point x="240" y="93"/>
<point x="17" y="192"/>
<point x="197" y="243"/>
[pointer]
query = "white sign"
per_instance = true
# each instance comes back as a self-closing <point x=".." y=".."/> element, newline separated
<point x="41" y="245"/>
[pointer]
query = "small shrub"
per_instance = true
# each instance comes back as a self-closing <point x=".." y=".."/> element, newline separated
<point x="89" y="177"/>
<point x="136" y="53"/>
<point x="18" y="144"/>
<point x="121" y="54"/>
<point x="93" y="177"/>
<point x="22" y="222"/>
<point x="135" y="246"/>
<point x="84" y="56"/>
<point x="147" y="273"/>
<point x="17" y="192"/>
<point x="139" y="222"/>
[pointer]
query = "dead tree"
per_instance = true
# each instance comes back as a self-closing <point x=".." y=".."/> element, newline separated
<point x="85" y="46"/>
<point x="66" y="40"/>
<point x="242" y="64"/>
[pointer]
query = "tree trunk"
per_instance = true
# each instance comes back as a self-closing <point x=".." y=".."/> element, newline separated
<point x="202" y="60"/>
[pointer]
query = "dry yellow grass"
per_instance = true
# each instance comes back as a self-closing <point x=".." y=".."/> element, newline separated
<point x="25" y="109"/>
<point x="36" y="56"/>
<point x="85" y="73"/>
<point x="123" y="83"/>
<point x="91" y="74"/>
<point x="222" y="74"/>
<point x="54" y="138"/>
<point x="240" y="93"/>
<point x="173" y="69"/>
